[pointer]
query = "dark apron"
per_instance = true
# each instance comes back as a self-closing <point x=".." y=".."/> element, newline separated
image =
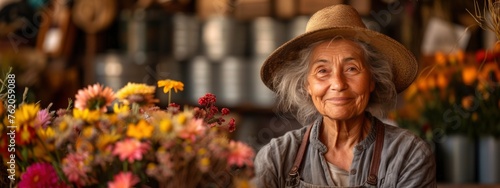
<point x="293" y="180"/>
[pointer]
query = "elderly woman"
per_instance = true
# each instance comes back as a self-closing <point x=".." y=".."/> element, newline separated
<point x="333" y="78"/>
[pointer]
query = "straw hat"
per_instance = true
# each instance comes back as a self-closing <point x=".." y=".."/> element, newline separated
<point x="345" y="21"/>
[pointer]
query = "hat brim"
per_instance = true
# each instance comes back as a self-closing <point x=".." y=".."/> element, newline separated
<point x="403" y="63"/>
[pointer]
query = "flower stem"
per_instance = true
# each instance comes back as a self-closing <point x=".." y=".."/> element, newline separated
<point x="169" y="96"/>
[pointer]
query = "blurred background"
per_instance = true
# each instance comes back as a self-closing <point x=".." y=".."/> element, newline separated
<point x="57" y="47"/>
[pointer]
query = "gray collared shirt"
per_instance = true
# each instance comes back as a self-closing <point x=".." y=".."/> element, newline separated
<point x="406" y="160"/>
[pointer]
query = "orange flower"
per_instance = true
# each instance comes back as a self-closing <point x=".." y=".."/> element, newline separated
<point x="489" y="69"/>
<point x="469" y="74"/>
<point x="170" y="84"/>
<point x="440" y="58"/>
<point x="460" y="56"/>
<point x="467" y="102"/>
<point x="422" y="84"/>
<point x="442" y="81"/>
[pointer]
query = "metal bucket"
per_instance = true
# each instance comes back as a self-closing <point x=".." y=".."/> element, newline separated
<point x="223" y="36"/>
<point x="145" y="30"/>
<point x="267" y="35"/>
<point x="200" y="74"/>
<point x="232" y="77"/>
<point x="115" y="70"/>
<point x="186" y="36"/>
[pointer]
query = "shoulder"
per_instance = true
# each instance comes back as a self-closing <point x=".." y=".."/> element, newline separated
<point x="274" y="159"/>
<point x="283" y="145"/>
<point x="404" y="140"/>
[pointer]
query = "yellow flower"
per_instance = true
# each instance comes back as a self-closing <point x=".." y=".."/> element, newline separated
<point x="141" y="130"/>
<point x="88" y="132"/>
<point x="62" y="126"/>
<point x="45" y="134"/>
<point x="41" y="152"/>
<point x="86" y="114"/>
<point x="26" y="114"/>
<point x="83" y="145"/>
<point x="118" y="109"/>
<point x="202" y="151"/>
<point x="135" y="89"/>
<point x="181" y="119"/>
<point x="169" y="84"/>
<point x="106" y="139"/>
<point x="205" y="162"/>
<point x="165" y="125"/>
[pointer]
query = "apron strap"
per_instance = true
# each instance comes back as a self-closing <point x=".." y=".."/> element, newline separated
<point x="379" y="144"/>
<point x="293" y="175"/>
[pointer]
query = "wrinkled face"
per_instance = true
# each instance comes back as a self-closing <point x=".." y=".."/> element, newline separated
<point x="338" y="80"/>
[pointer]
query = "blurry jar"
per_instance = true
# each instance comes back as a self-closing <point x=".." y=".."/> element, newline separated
<point x="232" y="77"/>
<point x="145" y="30"/>
<point x="267" y="35"/>
<point x="185" y="36"/>
<point x="223" y="36"/>
<point x="200" y="74"/>
<point x="115" y="70"/>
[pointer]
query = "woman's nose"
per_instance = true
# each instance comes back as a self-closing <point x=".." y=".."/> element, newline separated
<point x="338" y="81"/>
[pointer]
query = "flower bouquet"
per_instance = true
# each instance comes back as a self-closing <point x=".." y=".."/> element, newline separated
<point x="455" y="93"/>
<point x="124" y="139"/>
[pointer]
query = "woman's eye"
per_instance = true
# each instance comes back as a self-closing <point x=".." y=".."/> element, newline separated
<point x="351" y="69"/>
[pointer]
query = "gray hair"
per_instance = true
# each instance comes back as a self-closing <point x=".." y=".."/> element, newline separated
<point x="292" y="96"/>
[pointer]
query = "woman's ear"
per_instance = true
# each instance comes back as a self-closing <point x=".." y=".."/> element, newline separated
<point x="372" y="85"/>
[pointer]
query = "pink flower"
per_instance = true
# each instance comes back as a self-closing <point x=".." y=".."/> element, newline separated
<point x="42" y="119"/>
<point x="192" y="129"/>
<point x="40" y="175"/>
<point x="123" y="180"/>
<point x="240" y="154"/>
<point x="130" y="149"/>
<point x="94" y="97"/>
<point x="76" y="168"/>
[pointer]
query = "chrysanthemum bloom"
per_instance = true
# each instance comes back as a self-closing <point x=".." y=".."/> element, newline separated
<point x="170" y="84"/>
<point x="75" y="166"/>
<point x="94" y="97"/>
<point x="40" y="175"/>
<point x="240" y="154"/>
<point x="123" y="180"/>
<point x="42" y="119"/>
<point x="141" y="94"/>
<point x="86" y="114"/>
<point x="142" y="130"/>
<point x="25" y="135"/>
<point x="192" y="129"/>
<point x="26" y="114"/>
<point x="130" y="149"/>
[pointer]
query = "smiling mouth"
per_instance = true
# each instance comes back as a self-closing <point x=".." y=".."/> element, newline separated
<point x="339" y="100"/>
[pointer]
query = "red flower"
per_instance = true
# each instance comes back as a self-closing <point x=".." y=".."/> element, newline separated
<point x="40" y="175"/>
